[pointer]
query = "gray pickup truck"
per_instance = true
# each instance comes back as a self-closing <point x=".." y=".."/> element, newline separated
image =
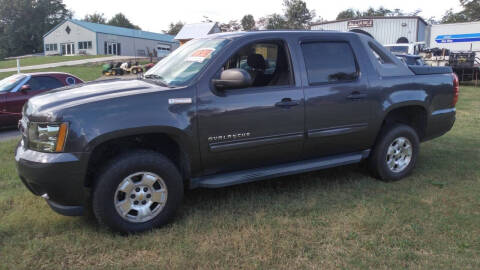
<point x="229" y="109"/>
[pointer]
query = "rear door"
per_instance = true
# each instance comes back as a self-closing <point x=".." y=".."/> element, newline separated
<point x="338" y="104"/>
<point x="38" y="84"/>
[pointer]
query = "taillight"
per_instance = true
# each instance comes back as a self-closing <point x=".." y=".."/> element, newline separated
<point x="456" y="88"/>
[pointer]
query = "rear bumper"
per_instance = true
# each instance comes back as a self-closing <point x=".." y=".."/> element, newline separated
<point x="439" y="123"/>
<point x="59" y="175"/>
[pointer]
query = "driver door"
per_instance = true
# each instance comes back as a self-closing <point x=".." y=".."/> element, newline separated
<point x="254" y="126"/>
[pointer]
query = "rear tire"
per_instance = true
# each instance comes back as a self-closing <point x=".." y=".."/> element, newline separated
<point x="395" y="153"/>
<point x="137" y="192"/>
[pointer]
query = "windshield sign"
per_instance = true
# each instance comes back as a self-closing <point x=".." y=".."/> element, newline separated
<point x="184" y="63"/>
<point x="7" y="84"/>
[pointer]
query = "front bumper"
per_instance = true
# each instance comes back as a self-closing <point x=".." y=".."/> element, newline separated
<point x="59" y="175"/>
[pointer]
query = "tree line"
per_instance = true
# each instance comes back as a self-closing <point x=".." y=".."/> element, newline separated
<point x="296" y="15"/>
<point x="24" y="22"/>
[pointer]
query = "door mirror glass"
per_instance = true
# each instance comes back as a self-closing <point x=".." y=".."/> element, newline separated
<point x="25" y="88"/>
<point x="234" y="78"/>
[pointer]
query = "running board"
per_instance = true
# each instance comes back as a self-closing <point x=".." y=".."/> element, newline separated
<point x="246" y="176"/>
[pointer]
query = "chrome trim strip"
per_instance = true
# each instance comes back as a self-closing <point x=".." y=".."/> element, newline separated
<point x="342" y="130"/>
<point x="254" y="142"/>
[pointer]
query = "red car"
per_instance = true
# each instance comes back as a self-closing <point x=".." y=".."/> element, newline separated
<point x="17" y="89"/>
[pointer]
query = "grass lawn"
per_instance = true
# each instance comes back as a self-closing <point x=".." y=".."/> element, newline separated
<point x="40" y="60"/>
<point x="88" y="72"/>
<point x="336" y="218"/>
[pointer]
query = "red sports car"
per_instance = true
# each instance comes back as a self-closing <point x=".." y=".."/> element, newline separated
<point x="17" y="89"/>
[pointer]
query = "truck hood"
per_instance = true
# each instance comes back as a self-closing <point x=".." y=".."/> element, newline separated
<point x="72" y="96"/>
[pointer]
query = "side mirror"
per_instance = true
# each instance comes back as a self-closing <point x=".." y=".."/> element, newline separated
<point x="233" y="79"/>
<point x="25" y="88"/>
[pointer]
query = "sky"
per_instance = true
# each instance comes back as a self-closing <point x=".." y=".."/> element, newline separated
<point x="156" y="15"/>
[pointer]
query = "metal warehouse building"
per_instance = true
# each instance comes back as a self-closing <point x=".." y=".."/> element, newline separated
<point x="387" y="30"/>
<point x="73" y="37"/>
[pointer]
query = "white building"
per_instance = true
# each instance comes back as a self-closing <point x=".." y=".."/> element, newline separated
<point x="456" y="36"/>
<point x="196" y="30"/>
<point x="73" y="37"/>
<point x="387" y="30"/>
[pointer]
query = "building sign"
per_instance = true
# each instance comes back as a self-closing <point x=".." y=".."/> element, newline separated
<point x="360" y="23"/>
<point x="458" y="38"/>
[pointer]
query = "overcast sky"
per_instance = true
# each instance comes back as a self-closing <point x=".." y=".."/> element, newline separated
<point x="156" y="15"/>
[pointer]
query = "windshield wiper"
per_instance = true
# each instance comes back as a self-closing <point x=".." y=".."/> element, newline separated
<point x="157" y="78"/>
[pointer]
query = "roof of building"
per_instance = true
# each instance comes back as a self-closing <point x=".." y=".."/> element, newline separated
<point x="374" y="17"/>
<point x="197" y="30"/>
<point x="118" y="31"/>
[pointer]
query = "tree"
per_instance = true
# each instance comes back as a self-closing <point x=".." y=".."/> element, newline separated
<point x="349" y="14"/>
<point x="273" y="22"/>
<point x="372" y="12"/>
<point x="207" y="19"/>
<point x="248" y="22"/>
<point x="24" y="22"/>
<point x="297" y="15"/>
<point x="95" y="18"/>
<point x="231" y="26"/>
<point x="470" y="12"/>
<point x="122" y="21"/>
<point x="174" y="28"/>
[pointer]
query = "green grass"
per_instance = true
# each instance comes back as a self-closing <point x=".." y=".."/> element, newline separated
<point x="40" y="60"/>
<point x="331" y="219"/>
<point x="88" y="72"/>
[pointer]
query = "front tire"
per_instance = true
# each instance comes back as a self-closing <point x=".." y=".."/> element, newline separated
<point x="395" y="154"/>
<point x="137" y="192"/>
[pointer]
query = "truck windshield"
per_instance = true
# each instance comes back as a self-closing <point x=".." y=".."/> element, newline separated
<point x="183" y="64"/>
<point x="9" y="83"/>
<point x="398" y="49"/>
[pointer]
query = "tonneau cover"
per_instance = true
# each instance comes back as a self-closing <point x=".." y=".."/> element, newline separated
<point x="426" y="70"/>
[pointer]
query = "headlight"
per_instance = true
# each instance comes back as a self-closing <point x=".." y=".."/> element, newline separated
<point x="47" y="137"/>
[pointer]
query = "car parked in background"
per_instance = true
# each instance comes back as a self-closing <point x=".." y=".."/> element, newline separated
<point x="17" y="89"/>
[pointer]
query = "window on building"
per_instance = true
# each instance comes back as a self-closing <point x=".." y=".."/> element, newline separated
<point x="112" y="48"/>
<point x="329" y="62"/>
<point x="83" y="45"/>
<point x="51" y="47"/>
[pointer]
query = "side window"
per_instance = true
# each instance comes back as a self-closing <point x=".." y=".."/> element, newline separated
<point x="379" y="55"/>
<point x="267" y="63"/>
<point x="329" y="62"/>
<point x="43" y="83"/>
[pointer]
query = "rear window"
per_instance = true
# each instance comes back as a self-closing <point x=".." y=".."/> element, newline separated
<point x="329" y="62"/>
